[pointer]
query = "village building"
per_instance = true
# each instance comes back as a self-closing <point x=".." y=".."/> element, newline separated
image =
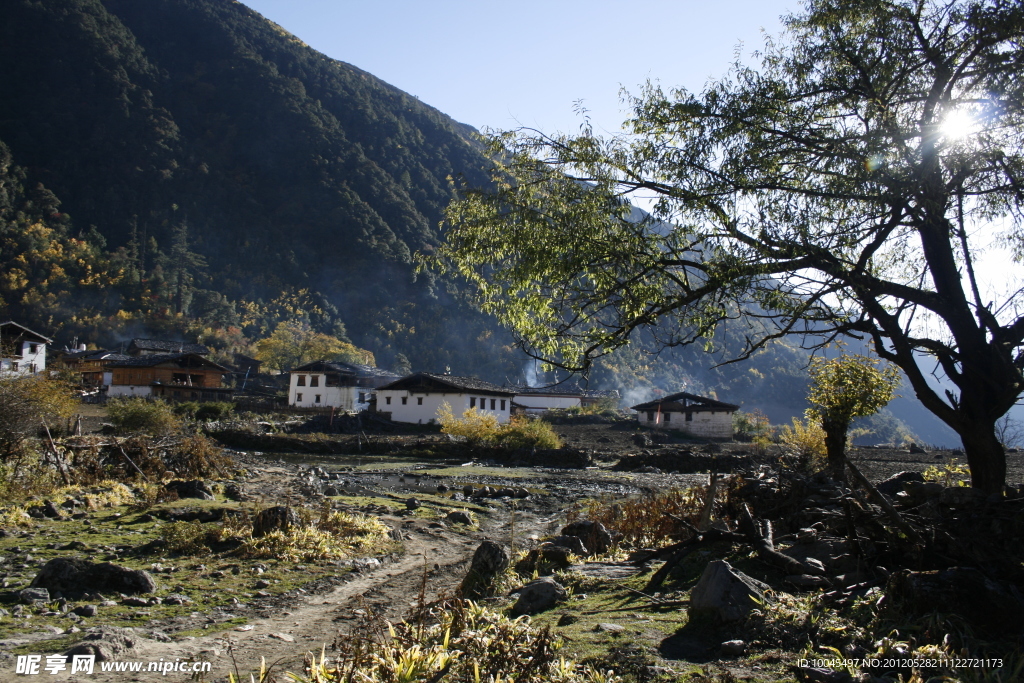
<point x="150" y="347"/>
<point x="418" y="397"/>
<point x="696" y="415"/>
<point x="532" y="400"/>
<point x="333" y="384"/>
<point x="91" y="366"/>
<point x="172" y="376"/>
<point x="22" y="351"/>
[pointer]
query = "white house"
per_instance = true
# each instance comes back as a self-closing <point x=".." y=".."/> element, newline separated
<point x="418" y="397"/>
<point x="541" y="399"/>
<point x="22" y="351"/>
<point x="696" y="415"/>
<point x="346" y="386"/>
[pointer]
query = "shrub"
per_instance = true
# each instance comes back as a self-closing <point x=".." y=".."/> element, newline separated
<point x="749" y="426"/>
<point x="475" y="426"/>
<point x="186" y="408"/>
<point x="214" y="411"/>
<point x="138" y="415"/>
<point x="807" y="439"/>
<point x="525" y="433"/>
<point x="26" y="403"/>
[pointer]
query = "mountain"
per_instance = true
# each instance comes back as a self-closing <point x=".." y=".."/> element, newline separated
<point x="188" y="169"/>
<point x="288" y="170"/>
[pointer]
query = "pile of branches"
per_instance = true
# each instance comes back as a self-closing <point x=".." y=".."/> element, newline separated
<point x="88" y="459"/>
<point x="925" y="545"/>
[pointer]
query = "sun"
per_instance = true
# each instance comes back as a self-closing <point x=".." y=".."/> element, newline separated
<point x="958" y="124"/>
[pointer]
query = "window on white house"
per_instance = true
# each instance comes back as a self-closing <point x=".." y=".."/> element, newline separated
<point x="668" y="417"/>
<point x="14" y="365"/>
<point x="362" y="397"/>
<point x="314" y="381"/>
<point x="419" y="400"/>
<point x="650" y="416"/>
<point x="689" y="417"/>
<point x="387" y="399"/>
<point x="33" y="348"/>
<point x="298" y="398"/>
<point x="472" y="400"/>
<point x="317" y="399"/>
<point x="503" y="404"/>
<point x="301" y="381"/>
<point x="405" y="400"/>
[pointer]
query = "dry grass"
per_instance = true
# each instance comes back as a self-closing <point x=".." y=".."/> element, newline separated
<point x="649" y="520"/>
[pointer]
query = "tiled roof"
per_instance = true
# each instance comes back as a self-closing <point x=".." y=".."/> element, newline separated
<point x="160" y="358"/>
<point x="684" y="401"/>
<point x="23" y="331"/>
<point x="429" y="381"/>
<point x="562" y="391"/>
<point x="345" y="369"/>
<point x="95" y="355"/>
<point x="167" y="346"/>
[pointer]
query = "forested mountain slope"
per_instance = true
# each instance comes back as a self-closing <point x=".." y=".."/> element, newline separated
<point x="188" y="169"/>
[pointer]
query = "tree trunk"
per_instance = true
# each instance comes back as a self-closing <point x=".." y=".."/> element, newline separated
<point x="985" y="455"/>
<point x="835" y="447"/>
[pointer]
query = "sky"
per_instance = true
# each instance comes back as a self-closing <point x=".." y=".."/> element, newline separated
<point x="500" y="65"/>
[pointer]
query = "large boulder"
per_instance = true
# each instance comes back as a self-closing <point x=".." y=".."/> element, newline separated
<point x="594" y="535"/>
<point x="278" y="518"/>
<point x="73" y="576"/>
<point x="539" y="595"/>
<point x="545" y="559"/>
<point x="105" y="643"/>
<point x="489" y="560"/>
<point x="725" y="594"/>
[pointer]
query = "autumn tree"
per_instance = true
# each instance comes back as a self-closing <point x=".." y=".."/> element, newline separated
<point x="843" y="187"/>
<point x="293" y="344"/>
<point x="845" y="388"/>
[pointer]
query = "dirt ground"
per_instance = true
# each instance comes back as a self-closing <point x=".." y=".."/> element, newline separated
<point x="436" y="556"/>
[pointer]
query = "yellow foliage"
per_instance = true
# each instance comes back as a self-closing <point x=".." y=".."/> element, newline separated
<point x="477" y="427"/>
<point x="806" y="438"/>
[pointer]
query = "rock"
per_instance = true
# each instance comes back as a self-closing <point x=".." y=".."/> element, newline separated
<point x="135" y="602"/>
<point x="642" y="440"/>
<point x="808" y="581"/>
<point x="898" y="482"/>
<point x="32" y="595"/>
<point x="194" y="488"/>
<point x="278" y="518"/>
<point x="725" y="594"/>
<point x="520" y="492"/>
<point x="441" y="488"/>
<point x="86" y="610"/>
<point x="567" y="619"/>
<point x="733" y="648"/>
<point x="961" y="496"/>
<point x="459" y="517"/>
<point x="539" y="595"/>
<point x="610" y="628"/>
<point x="332" y="491"/>
<point x="593" y="534"/>
<point x="262" y="583"/>
<point x="412" y="504"/>
<point x="396" y="535"/>
<point x="283" y="636"/>
<point x="235" y="492"/>
<point x="75" y="576"/>
<point x="544" y="559"/>
<point x="914" y="448"/>
<point x="489" y="560"/>
<point x="573" y="543"/>
<point x="105" y="643"/>
<point x="648" y="469"/>
<point x="51" y="510"/>
<point x="177" y="599"/>
<point x="468" y="490"/>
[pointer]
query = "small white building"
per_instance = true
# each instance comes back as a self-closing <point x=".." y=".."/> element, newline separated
<point x="418" y="397"/>
<point x="541" y="399"/>
<point x="689" y="413"/>
<point x="22" y="351"/>
<point x="326" y="384"/>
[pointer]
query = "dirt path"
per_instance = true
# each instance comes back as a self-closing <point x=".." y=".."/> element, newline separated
<point x="437" y="556"/>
